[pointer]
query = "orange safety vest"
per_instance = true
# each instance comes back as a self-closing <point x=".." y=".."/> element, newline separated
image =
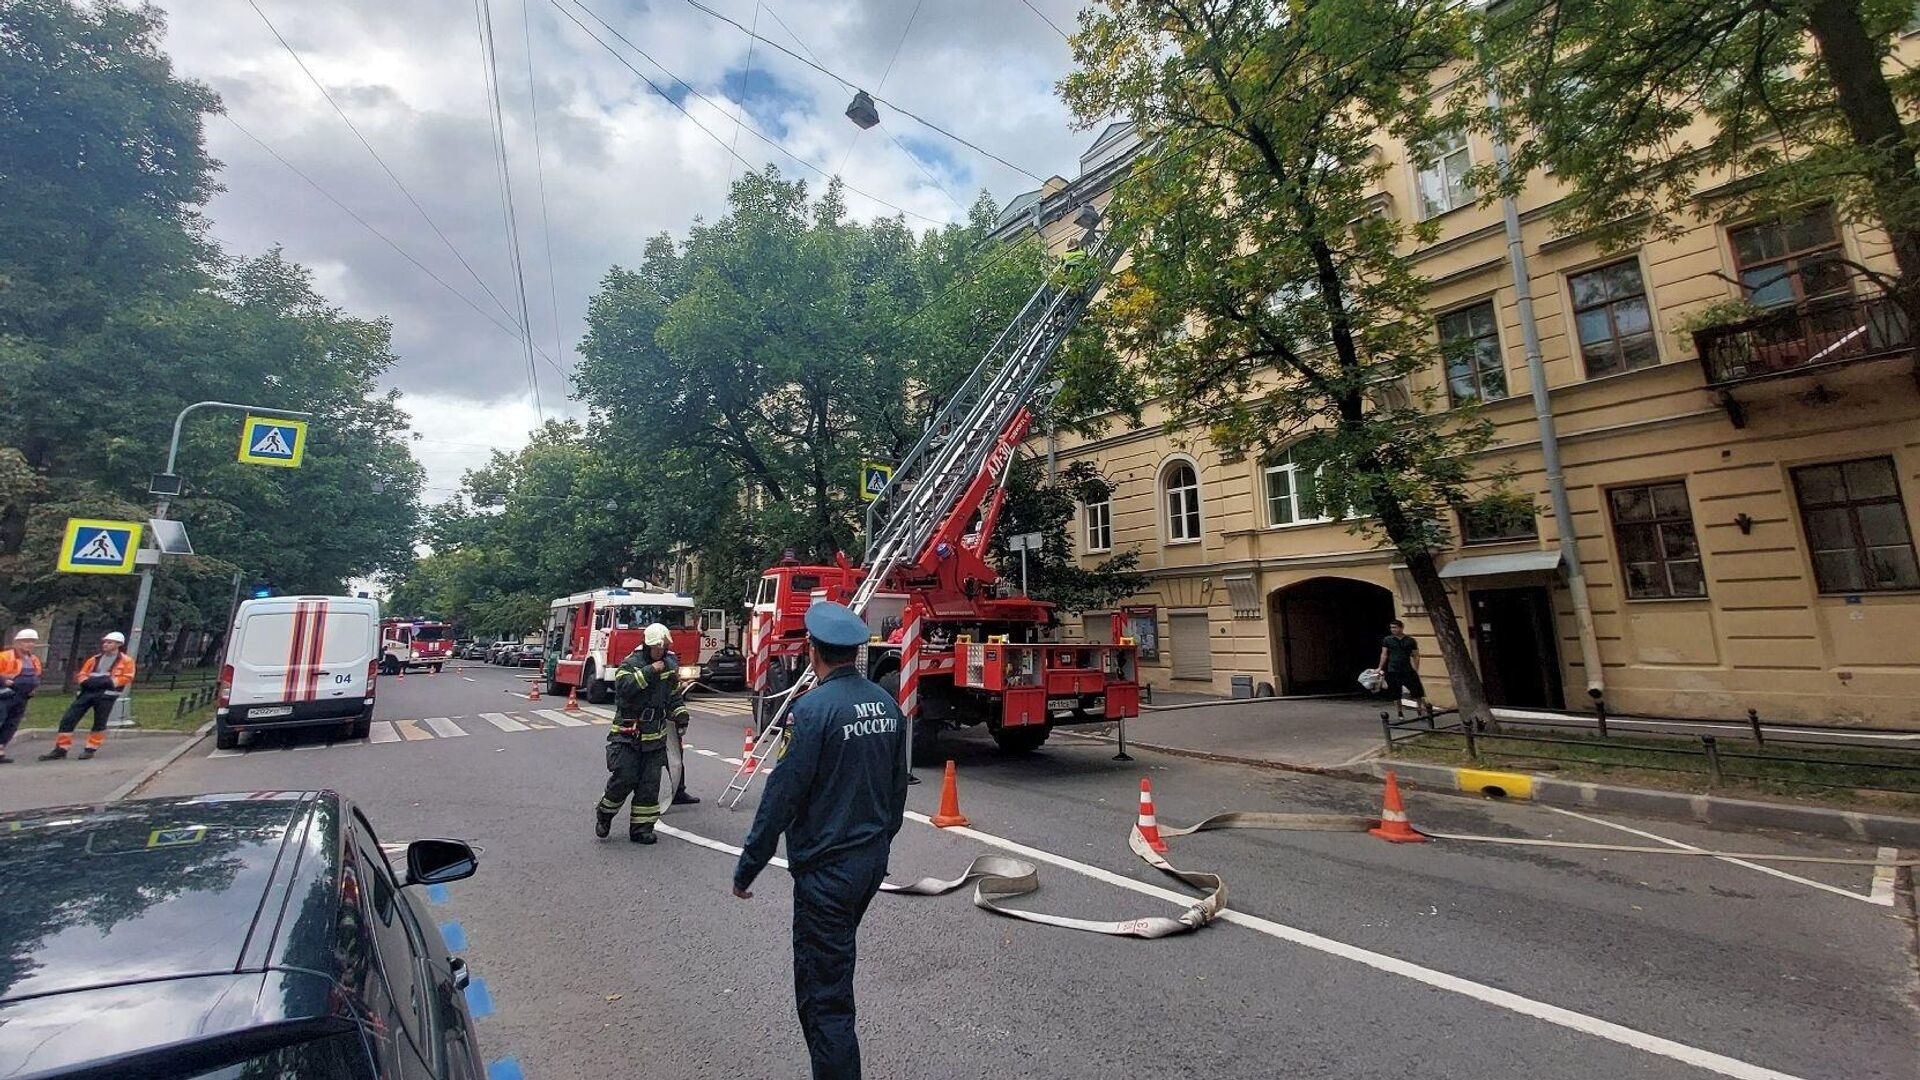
<point x="122" y="673"/>
<point x="11" y="666"/>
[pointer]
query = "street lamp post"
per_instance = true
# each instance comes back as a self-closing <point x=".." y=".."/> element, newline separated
<point x="166" y="485"/>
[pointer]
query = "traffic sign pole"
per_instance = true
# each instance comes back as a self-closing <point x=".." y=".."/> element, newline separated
<point x="123" y="708"/>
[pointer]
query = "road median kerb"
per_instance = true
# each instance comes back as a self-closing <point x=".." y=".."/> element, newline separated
<point x="1706" y="809"/>
<point x="153" y="769"/>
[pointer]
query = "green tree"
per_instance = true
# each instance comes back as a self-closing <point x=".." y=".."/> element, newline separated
<point x="1052" y="508"/>
<point x="1637" y="105"/>
<point x="1274" y="310"/>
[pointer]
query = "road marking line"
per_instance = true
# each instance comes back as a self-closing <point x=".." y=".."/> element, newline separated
<point x="598" y="710"/>
<point x="444" y="727"/>
<point x="454" y="935"/>
<point x="561" y="718"/>
<point x="469" y="678"/>
<point x="228" y="753"/>
<point x="537" y="725"/>
<point x="505" y="1069"/>
<point x="1439" y="980"/>
<point x="707" y="753"/>
<point x="503" y="721"/>
<point x="410" y="730"/>
<point x="1768" y="870"/>
<point x="382" y="731"/>
<point x="479" y="1000"/>
<point x="1882" y="892"/>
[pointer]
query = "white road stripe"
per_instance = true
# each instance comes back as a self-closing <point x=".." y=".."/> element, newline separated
<point x="1439" y="980"/>
<point x="1768" y="870"/>
<point x="444" y="727"/>
<point x="600" y="711"/>
<point x="1882" y="892"/>
<point x="228" y="753"/>
<point x="382" y="731"/>
<point x="503" y="721"/>
<point x="469" y="678"/>
<point x="706" y="753"/>
<point x="561" y="717"/>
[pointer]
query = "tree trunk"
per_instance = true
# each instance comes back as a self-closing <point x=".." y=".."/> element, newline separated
<point x="1468" y="693"/>
<point x="1873" y="120"/>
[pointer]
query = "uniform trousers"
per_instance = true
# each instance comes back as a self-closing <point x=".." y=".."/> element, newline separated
<point x="828" y="903"/>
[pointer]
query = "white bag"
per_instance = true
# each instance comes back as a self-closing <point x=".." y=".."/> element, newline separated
<point x="1371" y="680"/>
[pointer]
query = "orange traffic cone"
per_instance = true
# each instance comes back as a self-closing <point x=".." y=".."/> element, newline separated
<point x="950" y="814"/>
<point x="748" y="766"/>
<point x="573" y="700"/>
<point x="1393" y="826"/>
<point x="401" y="674"/>
<point x="533" y="691"/>
<point x="1149" y="826"/>
<point x="432" y="671"/>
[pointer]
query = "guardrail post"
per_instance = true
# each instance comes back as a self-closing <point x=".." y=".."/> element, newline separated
<point x="1753" y="719"/>
<point x="1713" y="757"/>
<point x="1386" y="730"/>
<point x="1473" y="748"/>
<point x="1600" y="714"/>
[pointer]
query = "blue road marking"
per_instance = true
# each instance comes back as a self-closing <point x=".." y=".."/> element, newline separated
<point x="455" y="934"/>
<point x="505" y="1069"/>
<point x="479" y="1000"/>
<point x="436" y="894"/>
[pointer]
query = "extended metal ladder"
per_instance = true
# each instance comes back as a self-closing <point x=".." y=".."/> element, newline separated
<point x="930" y="480"/>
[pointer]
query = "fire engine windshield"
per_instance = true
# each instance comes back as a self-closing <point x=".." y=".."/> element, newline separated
<point x="430" y="633"/>
<point x="637" y="616"/>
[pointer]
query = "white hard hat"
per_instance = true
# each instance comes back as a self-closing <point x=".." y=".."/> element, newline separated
<point x="29" y="634"/>
<point x="656" y="634"/>
<point x="114" y="636"/>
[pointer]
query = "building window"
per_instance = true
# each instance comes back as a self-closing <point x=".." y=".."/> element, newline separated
<point x="1183" y="504"/>
<point x="1099" y="519"/>
<point x="1615" y="324"/>
<point x="1653" y="528"/>
<point x="1856" y="526"/>
<point x="1498" y="521"/>
<point x="1290" y="495"/>
<point x="1442" y="186"/>
<point x="1792" y="260"/>
<point x="1470" y="339"/>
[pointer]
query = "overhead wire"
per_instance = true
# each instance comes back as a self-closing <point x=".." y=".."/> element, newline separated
<point x="540" y="173"/>
<point x="490" y="67"/>
<point x="740" y="107"/>
<point x="375" y="154"/>
<point x="1064" y="36"/>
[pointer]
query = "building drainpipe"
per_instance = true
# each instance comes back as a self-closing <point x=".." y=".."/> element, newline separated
<point x="1549" y="440"/>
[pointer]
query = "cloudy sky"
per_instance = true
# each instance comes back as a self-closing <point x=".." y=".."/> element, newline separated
<point x="621" y="162"/>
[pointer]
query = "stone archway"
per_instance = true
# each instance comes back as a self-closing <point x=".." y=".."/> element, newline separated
<point x="1326" y="631"/>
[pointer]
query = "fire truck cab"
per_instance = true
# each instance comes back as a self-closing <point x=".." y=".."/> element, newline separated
<point x="590" y="633"/>
<point x="414" y="643"/>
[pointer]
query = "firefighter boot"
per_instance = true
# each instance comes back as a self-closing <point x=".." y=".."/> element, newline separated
<point x="642" y="834"/>
<point x="681" y="798"/>
<point x="602" y="822"/>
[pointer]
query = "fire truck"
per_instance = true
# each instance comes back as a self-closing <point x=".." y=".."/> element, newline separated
<point x="414" y="643"/>
<point x="956" y="645"/>
<point x="590" y="633"/>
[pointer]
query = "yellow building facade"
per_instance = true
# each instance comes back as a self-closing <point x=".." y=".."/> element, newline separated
<point x="1745" y="519"/>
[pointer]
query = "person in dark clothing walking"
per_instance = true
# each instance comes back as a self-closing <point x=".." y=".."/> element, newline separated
<point x="839" y="795"/>
<point x="647" y="697"/>
<point x="1399" y="663"/>
<point x="19" y="677"/>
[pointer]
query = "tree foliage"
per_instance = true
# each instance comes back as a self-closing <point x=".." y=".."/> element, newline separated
<point x="1051" y="508"/>
<point x="1277" y="311"/>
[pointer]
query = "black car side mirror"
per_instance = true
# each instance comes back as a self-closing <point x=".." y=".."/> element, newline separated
<point x="436" y="862"/>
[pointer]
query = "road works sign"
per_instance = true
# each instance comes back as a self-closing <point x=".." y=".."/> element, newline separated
<point x="270" y="440"/>
<point x="873" y="480"/>
<point x="99" y="547"/>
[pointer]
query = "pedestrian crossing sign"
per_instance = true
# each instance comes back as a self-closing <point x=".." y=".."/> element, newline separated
<point x="271" y="440"/>
<point x="99" y="547"/>
<point x="874" y="478"/>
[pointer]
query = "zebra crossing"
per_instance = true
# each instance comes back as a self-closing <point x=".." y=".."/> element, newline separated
<point x="425" y="729"/>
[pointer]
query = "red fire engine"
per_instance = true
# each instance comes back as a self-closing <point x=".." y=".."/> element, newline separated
<point x="413" y="643"/>
<point x="590" y="633"/>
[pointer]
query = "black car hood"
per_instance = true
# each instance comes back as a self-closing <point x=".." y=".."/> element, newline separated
<point x="95" y="896"/>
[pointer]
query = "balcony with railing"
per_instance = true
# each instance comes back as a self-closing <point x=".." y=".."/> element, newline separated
<point x="1808" y="337"/>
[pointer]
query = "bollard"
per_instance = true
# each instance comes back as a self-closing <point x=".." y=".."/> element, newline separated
<point x="1713" y="757"/>
<point x="1386" y="730"/>
<point x="1753" y="718"/>
<point x="180" y="708"/>
<point x="1473" y="748"/>
<point x="1600" y="712"/>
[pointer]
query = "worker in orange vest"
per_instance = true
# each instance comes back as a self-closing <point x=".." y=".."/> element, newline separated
<point x="103" y="678"/>
<point x="19" y="677"/>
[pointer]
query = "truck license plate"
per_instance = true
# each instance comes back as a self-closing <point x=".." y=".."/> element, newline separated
<point x="269" y="712"/>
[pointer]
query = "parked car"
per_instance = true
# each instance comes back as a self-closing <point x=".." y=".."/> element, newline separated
<point x="726" y="669"/>
<point x="530" y="654"/>
<point x="498" y="654"/>
<point x="249" y="934"/>
<point x="476" y="650"/>
<point x="299" y="662"/>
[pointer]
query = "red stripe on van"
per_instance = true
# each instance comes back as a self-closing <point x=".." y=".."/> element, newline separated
<point x="319" y="635"/>
<point x="296" y="650"/>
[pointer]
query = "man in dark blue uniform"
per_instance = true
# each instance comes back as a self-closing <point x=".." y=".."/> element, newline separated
<point x="838" y="795"/>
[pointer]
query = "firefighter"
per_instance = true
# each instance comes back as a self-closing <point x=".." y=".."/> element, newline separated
<point x="19" y="678"/>
<point x="647" y="698"/>
<point x="838" y="795"/>
<point x="103" y="678"/>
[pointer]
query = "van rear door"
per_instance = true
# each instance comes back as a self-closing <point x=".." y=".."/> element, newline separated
<point x="296" y="650"/>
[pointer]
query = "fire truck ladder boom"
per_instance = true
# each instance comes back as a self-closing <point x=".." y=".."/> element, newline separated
<point x="932" y="478"/>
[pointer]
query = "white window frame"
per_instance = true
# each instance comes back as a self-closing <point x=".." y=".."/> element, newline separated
<point x="1293" y="495"/>
<point x="1448" y="147"/>
<point x="1190" y="503"/>
<point x="1104" y="530"/>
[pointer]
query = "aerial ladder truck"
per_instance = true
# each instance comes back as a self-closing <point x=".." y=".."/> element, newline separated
<point x="954" y="644"/>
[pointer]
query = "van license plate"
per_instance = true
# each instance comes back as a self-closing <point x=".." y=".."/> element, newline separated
<point x="272" y="711"/>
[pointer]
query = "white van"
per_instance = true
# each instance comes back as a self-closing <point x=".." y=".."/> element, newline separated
<point x="299" y="661"/>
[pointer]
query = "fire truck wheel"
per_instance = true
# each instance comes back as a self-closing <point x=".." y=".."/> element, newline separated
<point x="1021" y="740"/>
<point x="598" y="691"/>
<point x="389" y="665"/>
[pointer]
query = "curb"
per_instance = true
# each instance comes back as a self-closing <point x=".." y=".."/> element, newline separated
<point x="1347" y="770"/>
<point x="1705" y="809"/>
<point x="152" y="770"/>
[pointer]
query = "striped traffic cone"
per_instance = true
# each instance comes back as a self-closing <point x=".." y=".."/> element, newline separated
<point x="1149" y="827"/>
<point x="748" y="766"/>
<point x="573" y="700"/>
<point x="533" y="691"/>
<point x="1393" y="826"/>
<point x="950" y="815"/>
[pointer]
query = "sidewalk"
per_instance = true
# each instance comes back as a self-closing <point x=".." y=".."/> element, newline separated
<point x="1304" y="733"/>
<point x="28" y="783"/>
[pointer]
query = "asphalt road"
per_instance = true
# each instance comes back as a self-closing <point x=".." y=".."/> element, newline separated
<point x="1343" y="956"/>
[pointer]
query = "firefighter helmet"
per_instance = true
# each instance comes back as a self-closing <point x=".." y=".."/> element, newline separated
<point x="656" y="634"/>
